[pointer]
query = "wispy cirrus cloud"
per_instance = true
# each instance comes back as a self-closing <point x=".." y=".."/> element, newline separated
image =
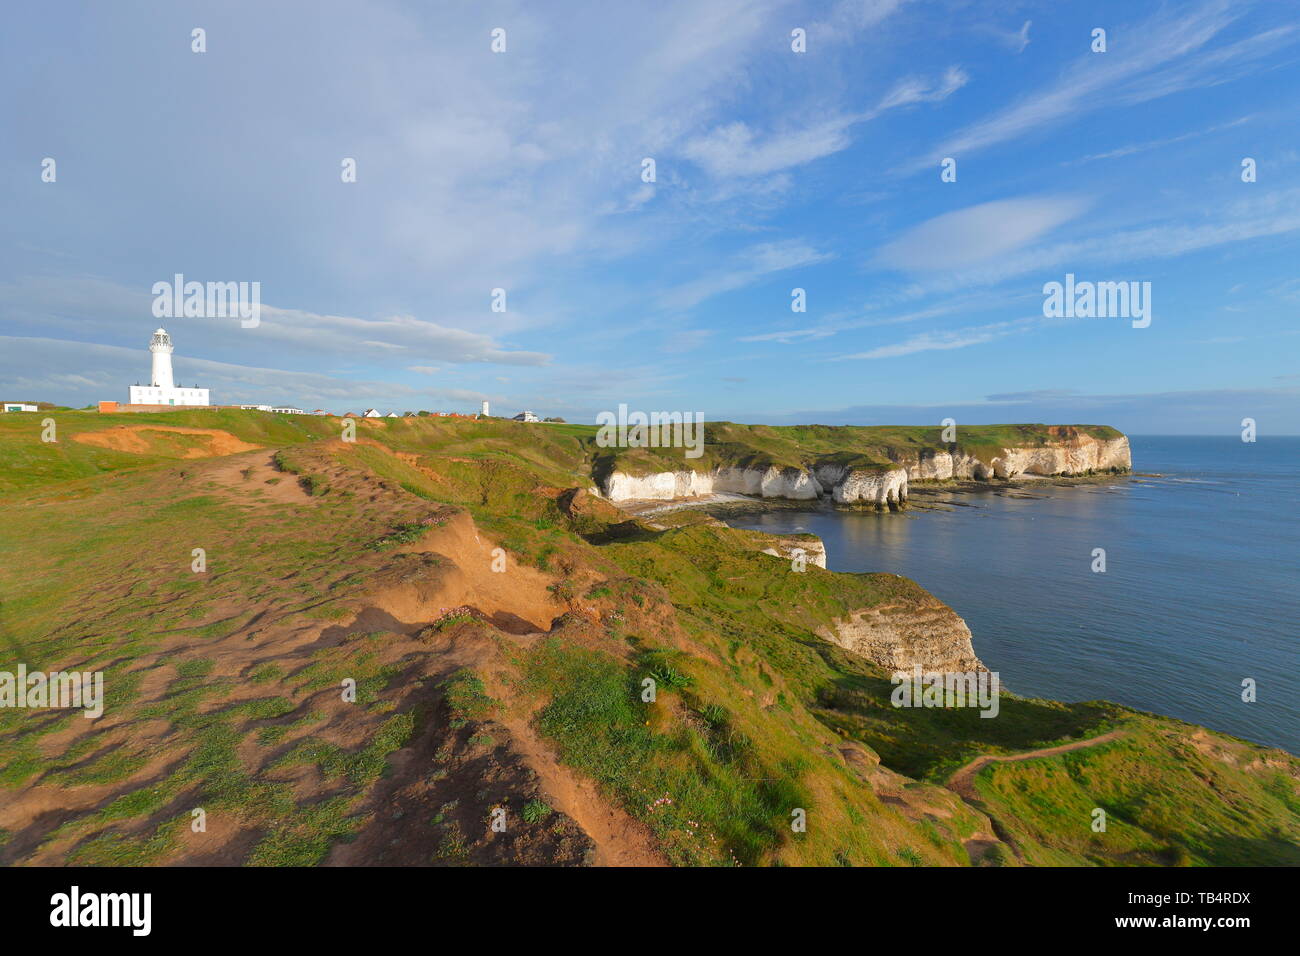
<point x="918" y="90"/>
<point x="736" y="149"/>
<point x="82" y="304"/>
<point x="1154" y="61"/>
<point x="404" y="333"/>
<point x="875" y="315"/>
<point x="1260" y="216"/>
<point x="977" y="234"/>
<point x="944" y="341"/>
<point x="747" y="267"/>
<point x="1143" y="147"/>
<point x="115" y="367"/>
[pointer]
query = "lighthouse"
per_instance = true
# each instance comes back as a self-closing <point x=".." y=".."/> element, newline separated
<point x="161" y="347"/>
<point x="162" y="389"/>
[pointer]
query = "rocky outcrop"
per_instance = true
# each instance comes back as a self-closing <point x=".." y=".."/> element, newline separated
<point x="884" y="489"/>
<point x="942" y="465"/>
<point x="898" y="636"/>
<point x="1069" y="452"/>
<point x="787" y="546"/>
<point x="771" y="482"/>
<point x="1077" y="454"/>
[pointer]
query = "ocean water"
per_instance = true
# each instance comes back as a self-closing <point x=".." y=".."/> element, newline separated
<point x="1201" y="588"/>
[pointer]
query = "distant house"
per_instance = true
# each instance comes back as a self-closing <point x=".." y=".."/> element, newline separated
<point x="526" y="417"/>
<point x="392" y="415"/>
<point x="351" y="415"/>
<point x="320" y="411"/>
<point x="19" y="407"/>
<point x="287" y="410"/>
<point x="372" y="413"/>
<point x="256" y="408"/>
<point x="408" y="414"/>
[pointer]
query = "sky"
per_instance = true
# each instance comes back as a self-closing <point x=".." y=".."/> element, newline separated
<point x="524" y="170"/>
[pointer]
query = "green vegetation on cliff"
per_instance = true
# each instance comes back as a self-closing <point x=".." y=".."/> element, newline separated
<point x="223" y="685"/>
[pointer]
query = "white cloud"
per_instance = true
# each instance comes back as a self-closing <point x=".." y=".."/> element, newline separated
<point x="1145" y="61"/>
<point x="734" y="149"/>
<point x="348" y="334"/>
<point x="748" y="267"/>
<point x="1132" y="148"/>
<point x="107" y="370"/>
<point x="876" y="314"/>
<point x="737" y="150"/>
<point x="848" y="18"/>
<point x="1261" y="216"/>
<point x="915" y="90"/>
<point x="977" y="234"/>
<point x="945" y="340"/>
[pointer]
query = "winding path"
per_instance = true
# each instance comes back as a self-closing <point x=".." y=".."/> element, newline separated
<point x="963" y="781"/>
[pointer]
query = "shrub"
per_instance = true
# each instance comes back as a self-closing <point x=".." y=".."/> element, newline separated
<point x="535" y="811"/>
<point x="314" y="485"/>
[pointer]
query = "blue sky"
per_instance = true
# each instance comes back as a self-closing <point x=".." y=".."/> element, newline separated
<point x="775" y="170"/>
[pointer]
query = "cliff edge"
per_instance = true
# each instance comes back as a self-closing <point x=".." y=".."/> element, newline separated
<point x="858" y="465"/>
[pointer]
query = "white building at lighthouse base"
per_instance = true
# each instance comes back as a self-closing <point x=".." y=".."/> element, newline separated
<point x="163" y="395"/>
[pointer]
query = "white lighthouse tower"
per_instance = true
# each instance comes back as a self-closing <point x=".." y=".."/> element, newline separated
<point x="161" y="347"/>
<point x="162" y="389"/>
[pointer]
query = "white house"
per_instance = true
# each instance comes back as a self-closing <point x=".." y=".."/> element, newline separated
<point x="286" y="410"/>
<point x="526" y="417"/>
<point x="162" y="390"/>
<point x="372" y="413"/>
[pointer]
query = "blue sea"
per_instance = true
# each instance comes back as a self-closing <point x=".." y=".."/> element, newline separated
<point x="1201" y="588"/>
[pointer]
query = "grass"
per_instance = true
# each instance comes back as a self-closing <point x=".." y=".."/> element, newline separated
<point x="466" y="698"/>
<point x="1152" y="783"/>
<point x="752" y="706"/>
<point x="402" y="534"/>
<point x="705" y="807"/>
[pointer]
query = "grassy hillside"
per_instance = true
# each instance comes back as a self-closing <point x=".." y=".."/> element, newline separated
<point x="1173" y="794"/>
<point x="507" y="680"/>
<point x="91" y="444"/>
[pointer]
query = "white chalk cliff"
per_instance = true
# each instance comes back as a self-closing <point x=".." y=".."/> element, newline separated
<point x="898" y="636"/>
<point x="1077" y="454"/>
<point x="769" y="482"/>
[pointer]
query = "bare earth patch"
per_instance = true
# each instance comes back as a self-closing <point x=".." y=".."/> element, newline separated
<point x="152" y="439"/>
